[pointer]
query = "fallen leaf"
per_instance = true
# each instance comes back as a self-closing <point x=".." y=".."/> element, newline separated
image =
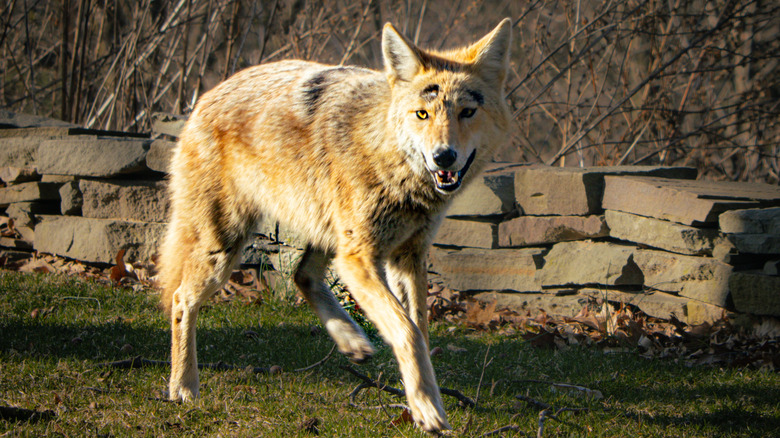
<point x="405" y="417"/>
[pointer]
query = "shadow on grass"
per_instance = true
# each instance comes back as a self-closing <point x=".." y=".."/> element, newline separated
<point x="716" y="402"/>
<point x="290" y="345"/>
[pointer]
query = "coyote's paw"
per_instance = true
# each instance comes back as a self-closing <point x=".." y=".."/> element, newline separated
<point x="428" y="413"/>
<point x="177" y="392"/>
<point x="350" y="340"/>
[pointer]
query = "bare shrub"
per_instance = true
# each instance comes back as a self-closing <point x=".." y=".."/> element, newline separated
<point x="674" y="82"/>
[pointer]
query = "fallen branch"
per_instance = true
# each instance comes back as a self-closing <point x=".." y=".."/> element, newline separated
<point x="371" y="383"/>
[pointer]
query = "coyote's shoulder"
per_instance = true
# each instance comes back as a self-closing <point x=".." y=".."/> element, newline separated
<point x="361" y="163"/>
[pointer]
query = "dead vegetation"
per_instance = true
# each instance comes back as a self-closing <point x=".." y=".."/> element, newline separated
<point x="617" y="82"/>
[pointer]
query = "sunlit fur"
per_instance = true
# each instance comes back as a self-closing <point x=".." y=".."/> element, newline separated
<point x="339" y="154"/>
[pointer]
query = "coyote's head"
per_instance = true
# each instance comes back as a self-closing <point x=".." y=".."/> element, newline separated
<point x="448" y="108"/>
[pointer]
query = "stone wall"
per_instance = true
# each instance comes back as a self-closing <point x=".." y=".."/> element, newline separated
<point x="653" y="237"/>
<point x="530" y="237"/>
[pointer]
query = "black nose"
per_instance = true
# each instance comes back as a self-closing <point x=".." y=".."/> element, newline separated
<point x="444" y="157"/>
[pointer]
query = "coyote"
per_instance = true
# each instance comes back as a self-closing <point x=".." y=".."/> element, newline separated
<point x="361" y="162"/>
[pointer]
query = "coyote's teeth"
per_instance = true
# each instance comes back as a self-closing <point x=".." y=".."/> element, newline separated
<point x="446" y="177"/>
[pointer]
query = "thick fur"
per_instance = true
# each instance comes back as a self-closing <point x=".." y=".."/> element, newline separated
<point x="345" y="156"/>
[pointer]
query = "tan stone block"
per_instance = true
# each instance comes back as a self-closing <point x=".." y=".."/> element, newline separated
<point x="481" y="269"/>
<point x="539" y="230"/>
<point x="543" y="190"/>
<point x="662" y="234"/>
<point x="490" y="194"/>
<point x="144" y="201"/>
<point x="588" y="263"/>
<point x="466" y="233"/>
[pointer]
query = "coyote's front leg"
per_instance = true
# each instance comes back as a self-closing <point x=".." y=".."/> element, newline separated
<point x="407" y="278"/>
<point x="360" y="271"/>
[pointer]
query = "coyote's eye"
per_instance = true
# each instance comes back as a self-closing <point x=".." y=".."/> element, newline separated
<point x="421" y="114"/>
<point x="467" y="112"/>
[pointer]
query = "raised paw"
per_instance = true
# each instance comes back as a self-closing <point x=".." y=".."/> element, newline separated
<point x="350" y="340"/>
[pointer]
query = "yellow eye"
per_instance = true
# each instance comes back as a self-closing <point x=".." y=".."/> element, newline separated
<point x="421" y="114"/>
<point x="467" y="112"/>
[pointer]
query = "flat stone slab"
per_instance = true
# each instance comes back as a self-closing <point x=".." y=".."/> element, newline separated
<point x="490" y="194"/>
<point x="751" y="221"/>
<point x="661" y="305"/>
<point x="19" y="152"/>
<point x="700" y="278"/>
<point x="466" y="233"/>
<point x="470" y="269"/>
<point x="533" y="303"/>
<point x="98" y="240"/>
<point x="754" y="293"/>
<point x="540" y="230"/>
<point x="144" y="201"/>
<point x="10" y="119"/>
<point x="657" y="233"/>
<point x="543" y="190"/>
<point x="683" y="201"/>
<point x="590" y="263"/>
<point x="29" y="191"/>
<point x="92" y="156"/>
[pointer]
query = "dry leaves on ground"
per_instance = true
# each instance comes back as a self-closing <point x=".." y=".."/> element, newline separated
<point x="620" y="327"/>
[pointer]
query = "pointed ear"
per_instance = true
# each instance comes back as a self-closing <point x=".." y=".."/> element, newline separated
<point x="401" y="57"/>
<point x="491" y="53"/>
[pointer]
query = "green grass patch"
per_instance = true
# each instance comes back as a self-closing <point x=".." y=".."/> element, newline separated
<point x="56" y="331"/>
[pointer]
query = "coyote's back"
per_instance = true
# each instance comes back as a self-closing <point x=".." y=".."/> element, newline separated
<point x="361" y="163"/>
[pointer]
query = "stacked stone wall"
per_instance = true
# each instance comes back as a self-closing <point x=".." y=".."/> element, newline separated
<point x="529" y="237"/>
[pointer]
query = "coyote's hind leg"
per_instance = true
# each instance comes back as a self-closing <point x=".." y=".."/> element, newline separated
<point x="203" y="273"/>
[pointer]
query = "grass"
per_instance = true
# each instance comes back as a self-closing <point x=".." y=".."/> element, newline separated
<point x="55" y="331"/>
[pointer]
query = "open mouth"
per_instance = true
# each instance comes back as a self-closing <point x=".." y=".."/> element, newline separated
<point x="448" y="181"/>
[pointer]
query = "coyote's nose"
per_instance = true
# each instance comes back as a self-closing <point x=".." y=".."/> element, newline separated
<point x="444" y="157"/>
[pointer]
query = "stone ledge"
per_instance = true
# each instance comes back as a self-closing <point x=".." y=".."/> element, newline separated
<point x="92" y="156"/>
<point x="543" y="190"/>
<point x="657" y="233"/>
<point x="482" y="269"/>
<point x="98" y="240"/>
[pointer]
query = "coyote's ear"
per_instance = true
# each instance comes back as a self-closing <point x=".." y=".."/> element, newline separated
<point x="491" y="53"/>
<point x="402" y="59"/>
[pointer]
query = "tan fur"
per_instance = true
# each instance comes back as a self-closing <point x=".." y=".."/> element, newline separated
<point x="343" y="156"/>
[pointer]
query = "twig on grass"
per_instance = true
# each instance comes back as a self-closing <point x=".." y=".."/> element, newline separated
<point x="506" y="428"/>
<point x="318" y="363"/>
<point x="371" y="383"/>
<point x="545" y="413"/>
